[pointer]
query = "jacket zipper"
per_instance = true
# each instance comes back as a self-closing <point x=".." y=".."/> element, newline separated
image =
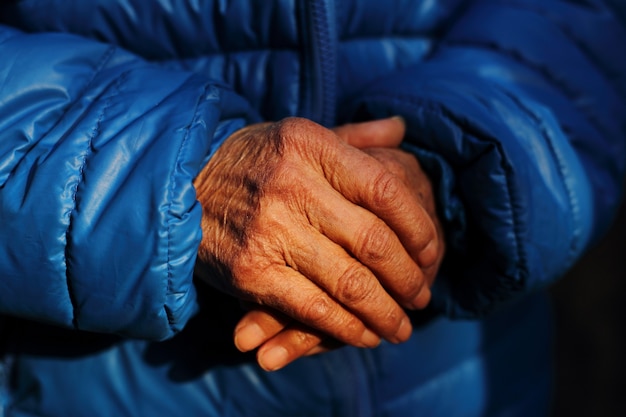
<point x="320" y="60"/>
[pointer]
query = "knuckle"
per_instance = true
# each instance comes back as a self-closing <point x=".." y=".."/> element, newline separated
<point x="249" y="271"/>
<point x="300" y="139"/>
<point x="351" y="327"/>
<point x="302" y="338"/>
<point x="429" y="228"/>
<point x="286" y="173"/>
<point x="427" y="236"/>
<point x="407" y="283"/>
<point x="354" y="285"/>
<point x="317" y="309"/>
<point x="391" y="319"/>
<point x="293" y="130"/>
<point x="386" y="188"/>
<point x="320" y="312"/>
<point x="291" y="124"/>
<point x="374" y="243"/>
<point x="424" y="227"/>
<point x="411" y="286"/>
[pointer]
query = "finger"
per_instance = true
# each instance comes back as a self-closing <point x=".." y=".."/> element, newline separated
<point x="369" y="239"/>
<point x="366" y="182"/>
<point x="406" y="167"/>
<point x="258" y="326"/>
<point x="384" y="133"/>
<point x="278" y="334"/>
<point x="299" y="283"/>
<point x="358" y="233"/>
<point x="420" y="182"/>
<point x="293" y="343"/>
<point x="301" y="299"/>
<point x="287" y="346"/>
<point x="352" y="284"/>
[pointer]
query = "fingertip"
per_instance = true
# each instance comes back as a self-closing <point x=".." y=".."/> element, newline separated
<point x="369" y="339"/>
<point x="395" y="131"/>
<point x="385" y="133"/>
<point x="404" y="331"/>
<point x="429" y="254"/>
<point x="400" y="127"/>
<point x="422" y="299"/>
<point x="273" y="359"/>
<point x="248" y="336"/>
<point x="399" y="119"/>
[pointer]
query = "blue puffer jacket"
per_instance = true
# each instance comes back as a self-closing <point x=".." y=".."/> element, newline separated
<point x="109" y="109"/>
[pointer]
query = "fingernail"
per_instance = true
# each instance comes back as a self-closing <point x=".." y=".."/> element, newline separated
<point x="399" y="118"/>
<point x="248" y="337"/>
<point x="422" y="299"/>
<point x="370" y="339"/>
<point x="428" y="255"/>
<point x="274" y="358"/>
<point x="404" y="331"/>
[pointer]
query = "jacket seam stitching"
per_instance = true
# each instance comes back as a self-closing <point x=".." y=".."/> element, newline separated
<point x="172" y="176"/>
<point x="95" y="132"/>
<point x="68" y="280"/>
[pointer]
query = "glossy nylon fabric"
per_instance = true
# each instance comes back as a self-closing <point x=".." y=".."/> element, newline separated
<point x="108" y="109"/>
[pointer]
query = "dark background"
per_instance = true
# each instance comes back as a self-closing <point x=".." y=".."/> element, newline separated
<point x="590" y="306"/>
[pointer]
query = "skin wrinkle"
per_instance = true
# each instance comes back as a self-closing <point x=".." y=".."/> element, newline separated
<point x="354" y="287"/>
<point x="230" y="221"/>
<point x="372" y="245"/>
<point x="241" y="209"/>
<point x="316" y="236"/>
<point x="308" y="237"/>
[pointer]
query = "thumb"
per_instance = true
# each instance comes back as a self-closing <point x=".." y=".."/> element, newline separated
<point x="383" y="133"/>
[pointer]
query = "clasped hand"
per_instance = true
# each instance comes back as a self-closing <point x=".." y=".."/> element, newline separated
<point x="329" y="240"/>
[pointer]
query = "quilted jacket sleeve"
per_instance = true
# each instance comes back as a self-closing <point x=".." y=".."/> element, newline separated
<point x="98" y="150"/>
<point x="520" y="114"/>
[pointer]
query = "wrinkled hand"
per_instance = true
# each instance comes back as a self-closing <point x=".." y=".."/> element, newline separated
<point x="284" y="340"/>
<point x="297" y="220"/>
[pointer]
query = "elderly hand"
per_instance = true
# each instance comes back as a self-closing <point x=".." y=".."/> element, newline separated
<point x="297" y="220"/>
<point x="282" y="340"/>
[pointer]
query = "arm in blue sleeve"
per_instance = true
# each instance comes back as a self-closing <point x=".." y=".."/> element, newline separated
<point x="98" y="151"/>
<point x="520" y="113"/>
